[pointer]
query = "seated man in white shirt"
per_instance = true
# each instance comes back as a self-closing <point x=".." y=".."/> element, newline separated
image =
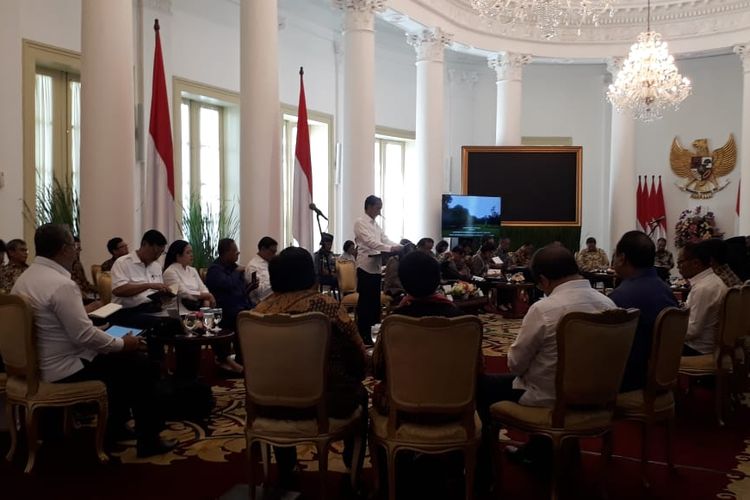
<point x="258" y="265"/>
<point x="532" y="358"/>
<point x="137" y="275"/>
<point x="704" y="300"/>
<point x="72" y="349"/>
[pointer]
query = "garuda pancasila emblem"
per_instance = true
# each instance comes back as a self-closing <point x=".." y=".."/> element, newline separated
<point x="701" y="169"/>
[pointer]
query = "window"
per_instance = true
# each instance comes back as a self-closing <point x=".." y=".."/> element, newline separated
<point x="57" y="129"/>
<point x="51" y="103"/>
<point x="206" y="147"/>
<point x="320" y="126"/>
<point x="394" y="153"/>
<point x="201" y="138"/>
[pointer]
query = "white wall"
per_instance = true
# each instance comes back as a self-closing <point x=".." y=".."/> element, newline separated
<point x="712" y="112"/>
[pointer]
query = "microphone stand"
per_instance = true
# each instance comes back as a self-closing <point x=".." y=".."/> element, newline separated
<point x="320" y="227"/>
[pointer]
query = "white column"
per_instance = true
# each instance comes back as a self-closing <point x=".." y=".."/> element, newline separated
<point x="424" y="202"/>
<point x="107" y="127"/>
<point x="622" y="179"/>
<point x="744" y="146"/>
<point x="508" y="67"/>
<point x="260" y="126"/>
<point x="358" y="121"/>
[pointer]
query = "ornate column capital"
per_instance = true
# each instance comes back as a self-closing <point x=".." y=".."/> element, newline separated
<point x="743" y="51"/>
<point x="429" y="44"/>
<point x="508" y="65"/>
<point x="359" y="14"/>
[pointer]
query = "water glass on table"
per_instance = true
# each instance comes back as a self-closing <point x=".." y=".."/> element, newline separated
<point x="190" y="322"/>
<point x="374" y="332"/>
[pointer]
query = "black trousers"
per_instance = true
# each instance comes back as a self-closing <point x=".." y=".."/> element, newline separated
<point x="368" y="305"/>
<point x="131" y="385"/>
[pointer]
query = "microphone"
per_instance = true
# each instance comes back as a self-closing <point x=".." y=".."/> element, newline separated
<point x="317" y="210"/>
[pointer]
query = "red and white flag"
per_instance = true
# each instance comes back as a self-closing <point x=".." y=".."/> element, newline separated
<point x="302" y="194"/>
<point x="661" y="211"/>
<point x="639" y="206"/>
<point x="159" y="201"/>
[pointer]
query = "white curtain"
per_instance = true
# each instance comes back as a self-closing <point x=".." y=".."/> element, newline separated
<point x="44" y="132"/>
<point x="75" y="136"/>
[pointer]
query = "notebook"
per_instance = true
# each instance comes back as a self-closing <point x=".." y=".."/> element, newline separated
<point x="105" y="310"/>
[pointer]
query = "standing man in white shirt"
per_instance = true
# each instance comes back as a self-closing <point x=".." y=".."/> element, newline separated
<point x="267" y="248"/>
<point x="72" y="349"/>
<point x="371" y="242"/>
<point x="704" y="300"/>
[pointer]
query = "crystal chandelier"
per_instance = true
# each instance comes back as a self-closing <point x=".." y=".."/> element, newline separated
<point x="648" y="82"/>
<point x="546" y="15"/>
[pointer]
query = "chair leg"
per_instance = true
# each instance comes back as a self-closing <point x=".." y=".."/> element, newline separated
<point x="32" y="437"/>
<point x="265" y="453"/>
<point x="67" y="421"/>
<point x="645" y="440"/>
<point x="497" y="459"/>
<point x="670" y="443"/>
<point x="323" y="465"/>
<point x="10" y="413"/>
<point x="375" y="462"/>
<point x="470" y="465"/>
<point x="390" y="464"/>
<point x="719" y="402"/>
<point x="101" y="428"/>
<point x="556" y="468"/>
<point x="251" y="469"/>
<point x="358" y="450"/>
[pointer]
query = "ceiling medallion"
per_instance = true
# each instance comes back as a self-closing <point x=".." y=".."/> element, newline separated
<point x="546" y="15"/>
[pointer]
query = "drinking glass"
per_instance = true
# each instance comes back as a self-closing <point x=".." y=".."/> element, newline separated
<point x="208" y="320"/>
<point x="374" y="332"/>
<point x="190" y="322"/>
<point x="218" y="315"/>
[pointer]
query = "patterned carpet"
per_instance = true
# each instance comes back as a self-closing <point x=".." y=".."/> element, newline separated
<point x="712" y="462"/>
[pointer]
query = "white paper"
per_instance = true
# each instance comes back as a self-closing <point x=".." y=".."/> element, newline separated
<point x="497" y="260"/>
<point x="105" y="310"/>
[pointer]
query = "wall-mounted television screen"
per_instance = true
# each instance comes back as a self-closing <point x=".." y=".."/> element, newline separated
<point x="467" y="216"/>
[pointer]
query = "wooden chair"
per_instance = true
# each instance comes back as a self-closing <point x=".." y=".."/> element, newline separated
<point x="24" y="388"/>
<point x="96" y="269"/>
<point x="285" y="360"/>
<point x="592" y="350"/>
<point x="655" y="402"/>
<point x="105" y="287"/>
<point x="418" y="352"/>
<point x="723" y="362"/>
<point x="346" y="275"/>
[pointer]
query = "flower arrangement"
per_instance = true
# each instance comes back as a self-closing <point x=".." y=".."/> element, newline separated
<point x="695" y="225"/>
<point x="517" y="278"/>
<point x="462" y="289"/>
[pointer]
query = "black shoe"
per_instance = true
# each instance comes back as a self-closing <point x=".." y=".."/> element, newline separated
<point x="157" y="446"/>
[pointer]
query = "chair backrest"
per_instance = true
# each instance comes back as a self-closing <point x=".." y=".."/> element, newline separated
<point x="96" y="269"/>
<point x="203" y="272"/>
<point x="285" y="358"/>
<point x="18" y="340"/>
<point x="105" y="287"/>
<point x="732" y="318"/>
<point x="666" y="350"/>
<point x="592" y="350"/>
<point x="431" y="364"/>
<point x="346" y="274"/>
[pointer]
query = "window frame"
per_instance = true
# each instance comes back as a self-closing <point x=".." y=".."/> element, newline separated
<point x="383" y="136"/>
<point x="42" y="58"/>
<point x="228" y="103"/>
<point x="330" y="210"/>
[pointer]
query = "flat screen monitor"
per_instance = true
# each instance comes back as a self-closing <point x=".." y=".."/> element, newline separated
<point x="468" y="216"/>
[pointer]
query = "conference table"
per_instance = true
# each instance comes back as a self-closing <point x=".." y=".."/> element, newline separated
<point x="518" y="293"/>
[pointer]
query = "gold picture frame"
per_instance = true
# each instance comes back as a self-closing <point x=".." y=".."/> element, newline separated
<point x="515" y="167"/>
